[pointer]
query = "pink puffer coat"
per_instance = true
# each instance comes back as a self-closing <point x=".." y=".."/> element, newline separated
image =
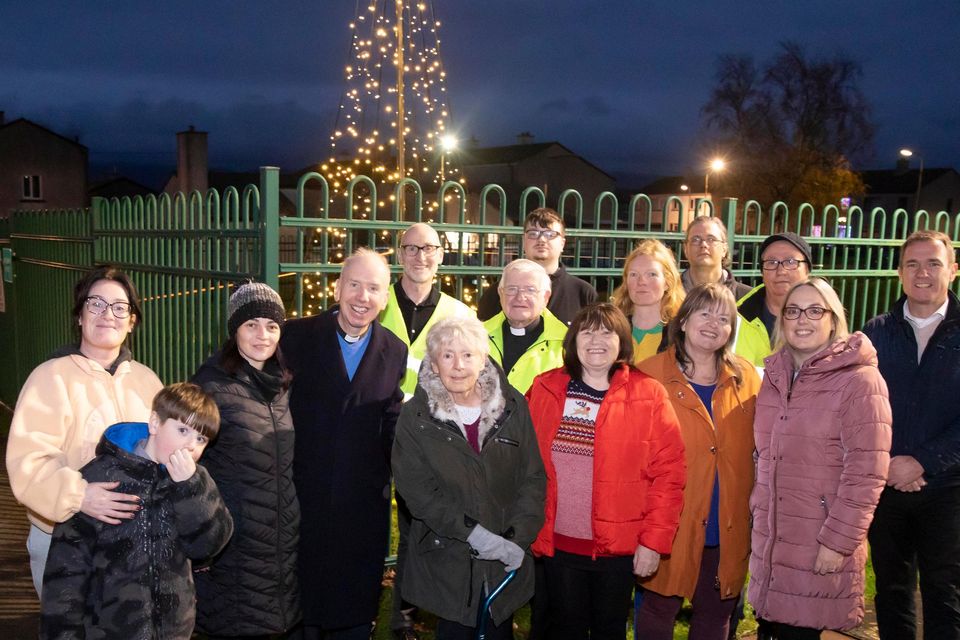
<point x="823" y="443"/>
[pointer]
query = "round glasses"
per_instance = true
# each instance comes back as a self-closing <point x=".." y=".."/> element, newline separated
<point x="97" y="306"/>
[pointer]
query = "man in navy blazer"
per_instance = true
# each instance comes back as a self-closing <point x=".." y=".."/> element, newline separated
<point x="345" y="399"/>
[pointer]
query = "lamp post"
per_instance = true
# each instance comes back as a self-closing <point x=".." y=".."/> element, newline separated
<point x="716" y="165"/>
<point x="448" y="143"/>
<point x="907" y="153"/>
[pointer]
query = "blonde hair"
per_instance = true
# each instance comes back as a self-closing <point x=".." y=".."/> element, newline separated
<point x="672" y="297"/>
<point x="838" y="317"/>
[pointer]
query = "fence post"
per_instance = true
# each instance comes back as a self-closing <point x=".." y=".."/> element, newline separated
<point x="730" y="220"/>
<point x="270" y="229"/>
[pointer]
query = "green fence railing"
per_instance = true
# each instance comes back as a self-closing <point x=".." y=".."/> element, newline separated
<point x="186" y="252"/>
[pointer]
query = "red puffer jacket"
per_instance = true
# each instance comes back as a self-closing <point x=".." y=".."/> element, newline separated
<point x="638" y="464"/>
<point x="823" y="446"/>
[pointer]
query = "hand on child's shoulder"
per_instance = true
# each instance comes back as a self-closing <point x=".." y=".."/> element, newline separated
<point x="181" y="465"/>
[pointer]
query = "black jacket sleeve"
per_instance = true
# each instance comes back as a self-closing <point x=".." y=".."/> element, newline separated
<point x="204" y="525"/>
<point x="66" y="580"/>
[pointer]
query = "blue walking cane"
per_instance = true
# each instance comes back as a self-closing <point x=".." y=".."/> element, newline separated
<point x="485" y="609"/>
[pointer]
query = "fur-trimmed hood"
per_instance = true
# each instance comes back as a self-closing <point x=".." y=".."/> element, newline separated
<point x="442" y="407"/>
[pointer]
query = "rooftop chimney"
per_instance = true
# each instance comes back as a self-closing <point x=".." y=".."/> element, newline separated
<point x="524" y="138"/>
<point x="192" y="160"/>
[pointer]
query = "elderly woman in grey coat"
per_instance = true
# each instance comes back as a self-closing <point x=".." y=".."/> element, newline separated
<point x="466" y="461"/>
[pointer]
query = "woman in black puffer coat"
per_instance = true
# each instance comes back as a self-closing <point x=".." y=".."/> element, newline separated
<point x="251" y="589"/>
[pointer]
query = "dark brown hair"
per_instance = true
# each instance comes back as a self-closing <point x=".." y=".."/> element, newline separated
<point x="593" y="316"/>
<point x="81" y="291"/>
<point x="708" y="296"/>
<point x="191" y="405"/>
<point x="543" y="217"/>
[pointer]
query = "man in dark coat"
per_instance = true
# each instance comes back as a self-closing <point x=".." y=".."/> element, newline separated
<point x="345" y="399"/>
<point x="916" y="527"/>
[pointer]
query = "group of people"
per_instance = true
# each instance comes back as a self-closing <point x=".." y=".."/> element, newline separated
<point x="557" y="448"/>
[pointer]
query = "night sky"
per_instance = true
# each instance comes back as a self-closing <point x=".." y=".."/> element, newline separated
<point x="621" y="82"/>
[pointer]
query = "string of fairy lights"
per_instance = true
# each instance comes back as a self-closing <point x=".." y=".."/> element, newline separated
<point x="370" y="130"/>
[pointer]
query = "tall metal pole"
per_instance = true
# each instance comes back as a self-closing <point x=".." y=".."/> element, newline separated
<point x="400" y="113"/>
<point x="916" y="200"/>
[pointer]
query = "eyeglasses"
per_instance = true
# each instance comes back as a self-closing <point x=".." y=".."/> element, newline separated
<point x="709" y="241"/>
<point x="97" y="306"/>
<point x="546" y="234"/>
<point x="790" y="264"/>
<point x="813" y="313"/>
<point x="513" y="291"/>
<point x="411" y="250"/>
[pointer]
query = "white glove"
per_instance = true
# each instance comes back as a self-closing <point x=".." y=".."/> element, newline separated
<point x="489" y="546"/>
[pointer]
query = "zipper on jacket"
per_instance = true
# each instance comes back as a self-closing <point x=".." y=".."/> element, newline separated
<point x="276" y="479"/>
<point x="826" y="509"/>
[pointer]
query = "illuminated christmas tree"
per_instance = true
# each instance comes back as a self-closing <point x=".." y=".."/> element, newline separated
<point x="383" y="81"/>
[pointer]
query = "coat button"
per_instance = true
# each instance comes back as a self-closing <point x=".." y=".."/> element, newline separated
<point x="703" y="522"/>
<point x="681" y="394"/>
<point x="713" y="449"/>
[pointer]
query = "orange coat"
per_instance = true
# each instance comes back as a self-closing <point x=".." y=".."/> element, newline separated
<point x="724" y="446"/>
<point x="638" y="468"/>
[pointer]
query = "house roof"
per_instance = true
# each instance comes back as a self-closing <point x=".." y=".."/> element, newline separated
<point x="118" y="186"/>
<point x="671" y="185"/>
<point x="514" y="153"/>
<point x="899" y="181"/>
<point x="20" y="122"/>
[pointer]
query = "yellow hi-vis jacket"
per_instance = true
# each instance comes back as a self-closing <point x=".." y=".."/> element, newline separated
<point x="543" y="355"/>
<point x="392" y="319"/>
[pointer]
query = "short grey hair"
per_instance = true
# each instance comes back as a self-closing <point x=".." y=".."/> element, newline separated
<point x="522" y="265"/>
<point x="468" y="330"/>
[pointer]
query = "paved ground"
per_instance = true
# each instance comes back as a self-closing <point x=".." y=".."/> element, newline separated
<point x="19" y="607"/>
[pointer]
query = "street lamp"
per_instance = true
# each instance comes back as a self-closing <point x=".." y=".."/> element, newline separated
<point x="716" y="165"/>
<point x="907" y="153"/>
<point x="448" y="143"/>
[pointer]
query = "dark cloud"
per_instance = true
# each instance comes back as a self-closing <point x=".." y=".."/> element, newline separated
<point x="621" y="82"/>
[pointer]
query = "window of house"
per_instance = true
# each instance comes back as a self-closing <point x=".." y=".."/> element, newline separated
<point x="31" y="188"/>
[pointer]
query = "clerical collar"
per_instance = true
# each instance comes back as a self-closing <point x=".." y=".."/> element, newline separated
<point x="346" y="336"/>
<point x="522" y="331"/>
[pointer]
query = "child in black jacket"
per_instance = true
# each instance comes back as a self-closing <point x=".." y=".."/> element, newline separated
<point x="133" y="579"/>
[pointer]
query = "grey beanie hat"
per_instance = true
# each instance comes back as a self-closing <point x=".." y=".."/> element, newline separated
<point x="253" y="300"/>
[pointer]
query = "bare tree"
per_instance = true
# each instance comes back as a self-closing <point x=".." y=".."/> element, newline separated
<point x="790" y="129"/>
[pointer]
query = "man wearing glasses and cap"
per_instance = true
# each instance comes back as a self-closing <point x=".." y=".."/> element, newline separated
<point x="544" y="236"/>
<point x="785" y="259"/>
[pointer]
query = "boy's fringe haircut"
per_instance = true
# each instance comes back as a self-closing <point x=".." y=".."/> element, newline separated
<point x="191" y="405"/>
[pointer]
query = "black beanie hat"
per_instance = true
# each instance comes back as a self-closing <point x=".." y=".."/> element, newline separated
<point x="790" y="238"/>
<point x="253" y="300"/>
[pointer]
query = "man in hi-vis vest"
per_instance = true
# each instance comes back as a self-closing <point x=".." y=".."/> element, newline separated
<point x="415" y="304"/>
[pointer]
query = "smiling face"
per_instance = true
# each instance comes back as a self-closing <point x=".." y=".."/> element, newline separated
<point x="421" y="268"/>
<point x="105" y="331"/>
<point x="170" y="435"/>
<point x="707" y="330"/>
<point x="361" y="291"/>
<point x="926" y="271"/>
<point x="523" y="297"/>
<point x="645" y="281"/>
<point x="778" y="281"/>
<point x="459" y="367"/>
<point x="597" y="349"/>
<point x="257" y="340"/>
<point x="805" y="337"/>
<point x="706" y="244"/>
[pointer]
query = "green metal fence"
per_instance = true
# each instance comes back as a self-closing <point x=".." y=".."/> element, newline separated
<point x="186" y="252"/>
